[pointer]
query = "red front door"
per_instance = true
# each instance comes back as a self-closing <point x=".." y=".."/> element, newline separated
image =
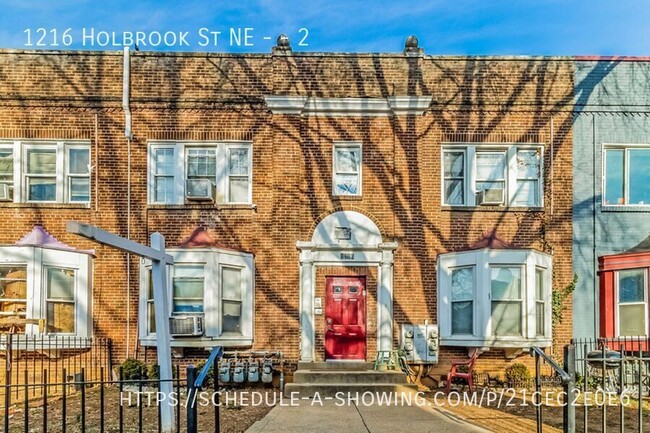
<point x="345" y="318"/>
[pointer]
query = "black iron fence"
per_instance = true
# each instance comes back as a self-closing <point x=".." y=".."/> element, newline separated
<point x="27" y="359"/>
<point x="606" y="384"/>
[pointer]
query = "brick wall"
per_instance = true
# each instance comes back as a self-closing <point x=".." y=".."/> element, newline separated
<point x="179" y="96"/>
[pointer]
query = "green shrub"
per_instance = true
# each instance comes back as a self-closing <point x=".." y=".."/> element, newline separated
<point x="517" y="373"/>
<point x="133" y="369"/>
<point x="153" y="372"/>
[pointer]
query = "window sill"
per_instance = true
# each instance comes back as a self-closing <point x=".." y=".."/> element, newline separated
<point x="496" y="342"/>
<point x="215" y="206"/>
<point x="225" y="341"/>
<point x="625" y="208"/>
<point x="491" y="209"/>
<point x="46" y="205"/>
<point x="347" y="197"/>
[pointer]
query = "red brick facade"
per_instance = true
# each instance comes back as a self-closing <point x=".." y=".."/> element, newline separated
<point x="209" y="97"/>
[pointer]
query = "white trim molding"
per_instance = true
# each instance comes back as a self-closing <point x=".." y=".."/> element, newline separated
<point x="364" y="107"/>
<point x="363" y="247"/>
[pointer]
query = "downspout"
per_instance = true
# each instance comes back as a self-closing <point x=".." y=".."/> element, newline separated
<point x="593" y="222"/>
<point x="126" y="96"/>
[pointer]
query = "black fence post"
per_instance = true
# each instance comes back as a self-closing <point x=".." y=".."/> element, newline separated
<point x="192" y="425"/>
<point x="83" y="399"/>
<point x="8" y="382"/>
<point x="538" y="395"/>
<point x="64" y="401"/>
<point x="26" y="401"/>
<point x="216" y="398"/>
<point x="121" y="408"/>
<point x="45" y="400"/>
<point x="569" y="412"/>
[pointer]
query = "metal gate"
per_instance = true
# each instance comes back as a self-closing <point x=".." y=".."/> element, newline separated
<point x="606" y="384"/>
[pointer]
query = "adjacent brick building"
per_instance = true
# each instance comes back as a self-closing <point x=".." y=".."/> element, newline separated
<point x="270" y="175"/>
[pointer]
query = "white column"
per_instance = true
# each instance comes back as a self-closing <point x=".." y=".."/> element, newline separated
<point x="385" y="299"/>
<point x="307" y="334"/>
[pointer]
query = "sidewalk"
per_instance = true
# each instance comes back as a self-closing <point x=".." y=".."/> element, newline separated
<point x="331" y="416"/>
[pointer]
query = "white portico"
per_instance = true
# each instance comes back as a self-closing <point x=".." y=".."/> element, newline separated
<point x="345" y="238"/>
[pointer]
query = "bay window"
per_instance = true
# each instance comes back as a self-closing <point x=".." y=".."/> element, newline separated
<point x="495" y="298"/>
<point x="214" y="283"/>
<point x="45" y="291"/>
<point x="218" y="172"/>
<point x="492" y="174"/>
<point x="624" y="280"/>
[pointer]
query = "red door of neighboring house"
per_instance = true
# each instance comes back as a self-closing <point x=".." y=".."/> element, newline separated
<point x="345" y="318"/>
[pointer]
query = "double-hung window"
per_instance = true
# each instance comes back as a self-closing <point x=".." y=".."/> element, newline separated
<point x="632" y="311"/>
<point x="494" y="298"/>
<point x="60" y="300"/>
<point x="627" y="178"/>
<point x="54" y="172"/>
<point x="346" y="177"/>
<point x="187" y="288"/>
<point x="462" y="300"/>
<point x="216" y="172"/>
<point x="492" y="174"/>
<point x="506" y="296"/>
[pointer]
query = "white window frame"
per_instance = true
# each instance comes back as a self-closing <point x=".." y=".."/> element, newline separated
<point x="483" y="260"/>
<point x="222" y="151"/>
<point x="347" y="145"/>
<point x="38" y="260"/>
<point x="213" y="260"/>
<point x="617" y="301"/>
<point x="625" y="147"/>
<point x="62" y="174"/>
<point x="511" y="176"/>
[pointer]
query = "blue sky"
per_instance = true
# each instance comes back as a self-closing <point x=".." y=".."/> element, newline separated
<point x="475" y="27"/>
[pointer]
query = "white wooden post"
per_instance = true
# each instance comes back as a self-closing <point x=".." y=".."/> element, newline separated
<point x="163" y="347"/>
<point x="160" y="260"/>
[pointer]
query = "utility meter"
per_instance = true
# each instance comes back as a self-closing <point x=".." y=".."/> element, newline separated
<point x="420" y="343"/>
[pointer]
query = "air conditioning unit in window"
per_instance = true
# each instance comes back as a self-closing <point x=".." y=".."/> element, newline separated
<point x="490" y="196"/>
<point x="5" y="192"/>
<point x="186" y="326"/>
<point x="199" y="190"/>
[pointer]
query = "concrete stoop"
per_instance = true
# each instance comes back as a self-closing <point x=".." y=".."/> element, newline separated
<point x="344" y="380"/>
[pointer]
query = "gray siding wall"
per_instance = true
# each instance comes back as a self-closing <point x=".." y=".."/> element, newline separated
<point x="612" y="106"/>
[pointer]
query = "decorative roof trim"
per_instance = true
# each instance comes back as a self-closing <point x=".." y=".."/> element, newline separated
<point x="404" y="105"/>
<point x="286" y="104"/>
<point x="316" y="106"/>
<point x="39" y="237"/>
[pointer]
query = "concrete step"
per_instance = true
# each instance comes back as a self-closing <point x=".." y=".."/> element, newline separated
<point x="338" y="365"/>
<point x="347" y="391"/>
<point x="348" y="377"/>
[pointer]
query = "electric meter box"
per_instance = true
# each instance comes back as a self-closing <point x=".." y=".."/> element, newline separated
<point x="420" y="343"/>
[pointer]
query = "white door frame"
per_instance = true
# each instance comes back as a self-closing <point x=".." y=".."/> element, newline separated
<point x="325" y="250"/>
